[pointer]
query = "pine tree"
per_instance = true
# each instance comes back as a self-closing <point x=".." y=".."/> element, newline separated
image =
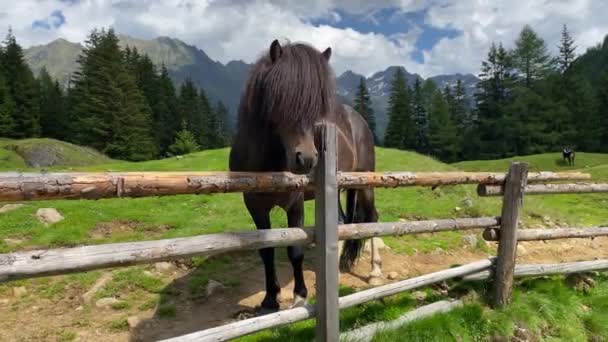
<point x="566" y="50"/>
<point x="531" y="59"/>
<point x="459" y="108"/>
<point x="224" y="132"/>
<point x="166" y="113"/>
<point x="23" y="89"/>
<point x="399" y="132"/>
<point x="420" y="119"/>
<point x="184" y="142"/>
<point x="603" y="107"/>
<point x="363" y="105"/>
<point x="7" y="109"/>
<point x="191" y="111"/>
<point x="111" y="112"/>
<point x="209" y="122"/>
<point x="443" y="138"/>
<point x="53" y="118"/>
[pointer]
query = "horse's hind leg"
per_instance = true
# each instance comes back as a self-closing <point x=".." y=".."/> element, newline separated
<point x="295" y="218"/>
<point x="366" y="201"/>
<point x="261" y="217"/>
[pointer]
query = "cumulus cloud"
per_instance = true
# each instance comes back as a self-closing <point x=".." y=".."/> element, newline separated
<point x="240" y="29"/>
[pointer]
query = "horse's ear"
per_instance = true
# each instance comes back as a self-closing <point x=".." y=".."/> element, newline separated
<point x="327" y="54"/>
<point x="275" y="51"/>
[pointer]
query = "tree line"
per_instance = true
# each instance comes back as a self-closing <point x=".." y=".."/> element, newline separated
<point x="118" y="102"/>
<point x="526" y="102"/>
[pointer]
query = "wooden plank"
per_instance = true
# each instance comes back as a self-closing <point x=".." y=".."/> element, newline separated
<point x="533" y="270"/>
<point x="252" y="325"/>
<point x="492" y="234"/>
<point x="485" y="190"/>
<point x="507" y="245"/>
<point x="16" y="186"/>
<point x="45" y="262"/>
<point x="367" y="332"/>
<point x="326" y="239"/>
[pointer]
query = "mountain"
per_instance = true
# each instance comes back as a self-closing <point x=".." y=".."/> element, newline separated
<point x="221" y="82"/>
<point x="379" y="85"/>
<point x="224" y="81"/>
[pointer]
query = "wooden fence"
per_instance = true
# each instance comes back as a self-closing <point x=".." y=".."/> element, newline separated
<point x="326" y="233"/>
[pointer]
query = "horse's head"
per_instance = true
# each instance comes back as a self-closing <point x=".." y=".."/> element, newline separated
<point x="297" y="92"/>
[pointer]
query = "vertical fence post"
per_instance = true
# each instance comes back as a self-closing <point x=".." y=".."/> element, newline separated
<point x="326" y="238"/>
<point x="507" y="244"/>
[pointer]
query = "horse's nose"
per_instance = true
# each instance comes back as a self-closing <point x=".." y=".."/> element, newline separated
<point x="304" y="162"/>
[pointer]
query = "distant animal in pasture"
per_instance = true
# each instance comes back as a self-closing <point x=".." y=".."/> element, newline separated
<point x="290" y="91"/>
<point x="568" y="155"/>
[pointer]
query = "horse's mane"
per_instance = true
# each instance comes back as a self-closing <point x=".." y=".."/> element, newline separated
<point x="298" y="89"/>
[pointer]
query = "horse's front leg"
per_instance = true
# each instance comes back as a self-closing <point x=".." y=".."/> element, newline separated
<point x="295" y="218"/>
<point x="261" y="217"/>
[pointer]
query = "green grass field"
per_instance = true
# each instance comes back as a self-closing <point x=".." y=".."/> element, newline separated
<point x="88" y="222"/>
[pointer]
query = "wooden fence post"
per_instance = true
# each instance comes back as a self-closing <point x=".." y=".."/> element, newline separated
<point x="326" y="239"/>
<point x="507" y="246"/>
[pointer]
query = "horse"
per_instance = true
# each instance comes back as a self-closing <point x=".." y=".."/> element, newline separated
<point x="568" y="155"/>
<point x="290" y="91"/>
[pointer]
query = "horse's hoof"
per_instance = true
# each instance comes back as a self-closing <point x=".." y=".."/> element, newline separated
<point x="298" y="302"/>
<point x="262" y="310"/>
<point x="375" y="281"/>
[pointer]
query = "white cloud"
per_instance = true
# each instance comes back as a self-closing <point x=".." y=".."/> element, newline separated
<point x="240" y="29"/>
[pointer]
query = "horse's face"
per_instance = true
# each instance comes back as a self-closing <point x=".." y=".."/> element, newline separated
<point x="300" y="151"/>
<point x="295" y="127"/>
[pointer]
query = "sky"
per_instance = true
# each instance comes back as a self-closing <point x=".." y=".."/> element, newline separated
<point x="426" y="37"/>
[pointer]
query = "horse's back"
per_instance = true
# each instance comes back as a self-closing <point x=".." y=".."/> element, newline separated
<point x="361" y="138"/>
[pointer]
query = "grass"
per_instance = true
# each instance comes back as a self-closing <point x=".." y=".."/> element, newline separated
<point x="547" y="308"/>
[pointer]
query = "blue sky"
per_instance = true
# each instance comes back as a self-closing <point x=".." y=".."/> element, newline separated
<point x="429" y="37"/>
<point x="392" y="22"/>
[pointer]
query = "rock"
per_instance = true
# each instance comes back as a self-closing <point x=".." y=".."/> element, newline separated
<point x="437" y="251"/>
<point x="164" y="267"/>
<point x="393" y="275"/>
<point x="101" y="282"/>
<point x="375" y="281"/>
<point x="212" y="286"/>
<point x="467" y="203"/>
<point x="133" y="321"/>
<point x="4" y="301"/>
<point x="470" y="240"/>
<point x="48" y="216"/>
<point x="367" y="248"/>
<point x="108" y="302"/>
<point x="35" y="308"/>
<point x="521" y="250"/>
<point x="13" y="242"/>
<point x="80" y="308"/>
<point x="457" y="209"/>
<point x="419" y="295"/>
<point x="19" y="291"/>
<point x="522" y="334"/>
<point x="10" y="207"/>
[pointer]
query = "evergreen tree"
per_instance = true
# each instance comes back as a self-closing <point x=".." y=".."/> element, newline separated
<point x="184" y="142"/>
<point x="459" y="107"/>
<point x="399" y="132"/>
<point x="530" y="57"/>
<point x="443" y="137"/>
<point x="23" y="89"/>
<point x="7" y="109"/>
<point x="603" y="114"/>
<point x="363" y="105"/>
<point x="111" y="112"/>
<point x="165" y="110"/>
<point x="223" y="130"/>
<point x="208" y="121"/>
<point x="53" y="118"/>
<point x="566" y="50"/>
<point x="191" y="111"/>
<point x="420" y="118"/>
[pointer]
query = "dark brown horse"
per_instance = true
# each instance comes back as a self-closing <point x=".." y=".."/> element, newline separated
<point x="289" y="92"/>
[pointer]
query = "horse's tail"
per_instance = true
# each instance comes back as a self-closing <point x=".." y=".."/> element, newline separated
<point x="352" y="248"/>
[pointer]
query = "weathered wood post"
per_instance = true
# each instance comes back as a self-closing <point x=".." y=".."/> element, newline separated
<point x="507" y="246"/>
<point x="326" y="238"/>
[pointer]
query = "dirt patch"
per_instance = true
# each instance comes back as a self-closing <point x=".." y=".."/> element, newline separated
<point x="122" y="228"/>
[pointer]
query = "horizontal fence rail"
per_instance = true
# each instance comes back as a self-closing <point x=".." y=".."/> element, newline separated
<point x="493" y="234"/>
<point x="38" y="263"/>
<point x="15" y="186"/>
<point x="252" y="325"/>
<point x="534" y="270"/>
<point x="545" y="189"/>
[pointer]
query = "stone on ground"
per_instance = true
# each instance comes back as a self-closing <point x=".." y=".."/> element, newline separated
<point x="48" y="216"/>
